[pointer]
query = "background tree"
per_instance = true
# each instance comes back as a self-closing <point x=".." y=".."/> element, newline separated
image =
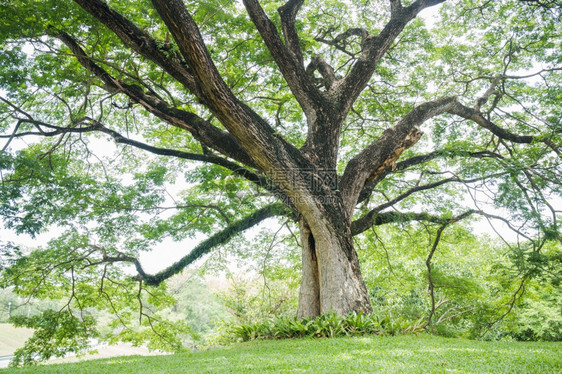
<point x="338" y="115"/>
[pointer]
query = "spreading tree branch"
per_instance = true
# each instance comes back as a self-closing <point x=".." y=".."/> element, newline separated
<point x="96" y="126"/>
<point x="421" y="159"/>
<point x="288" y="13"/>
<point x="325" y="70"/>
<point x="370" y="163"/>
<point x="374" y="48"/>
<point x="252" y="132"/>
<point x="140" y="41"/>
<point x="201" y="129"/>
<point x="340" y="42"/>
<point x="431" y="284"/>
<point x="217" y="239"/>
<point x="379" y="158"/>
<point x="196" y="253"/>
<point x="288" y="61"/>
<point x="396" y="217"/>
<point x="363" y="223"/>
<point x="475" y="115"/>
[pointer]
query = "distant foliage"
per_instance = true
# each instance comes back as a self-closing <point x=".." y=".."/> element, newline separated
<point x="484" y="288"/>
<point x="197" y="306"/>
<point x="250" y="300"/>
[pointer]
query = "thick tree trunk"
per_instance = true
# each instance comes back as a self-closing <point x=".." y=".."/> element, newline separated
<point x="309" y="297"/>
<point x="331" y="279"/>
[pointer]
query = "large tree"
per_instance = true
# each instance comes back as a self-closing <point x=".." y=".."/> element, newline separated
<point x="349" y="114"/>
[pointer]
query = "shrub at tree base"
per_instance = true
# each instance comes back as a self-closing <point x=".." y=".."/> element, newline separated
<point x="328" y="325"/>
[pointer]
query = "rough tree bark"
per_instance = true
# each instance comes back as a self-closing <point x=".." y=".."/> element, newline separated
<point x="331" y="279"/>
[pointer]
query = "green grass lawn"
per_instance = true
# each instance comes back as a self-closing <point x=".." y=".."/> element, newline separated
<point x="402" y="354"/>
<point x="12" y="338"/>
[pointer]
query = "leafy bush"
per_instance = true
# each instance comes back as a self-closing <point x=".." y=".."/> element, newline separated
<point x="56" y="334"/>
<point x="539" y="317"/>
<point x="328" y="325"/>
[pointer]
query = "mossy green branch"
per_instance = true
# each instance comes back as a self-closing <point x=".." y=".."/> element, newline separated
<point x="219" y="238"/>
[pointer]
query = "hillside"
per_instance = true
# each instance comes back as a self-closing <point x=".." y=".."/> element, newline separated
<point x="12" y="338"/>
<point x="404" y="354"/>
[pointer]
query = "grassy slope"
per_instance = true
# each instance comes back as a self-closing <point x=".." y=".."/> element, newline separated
<point x="403" y="354"/>
<point x="12" y="338"/>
